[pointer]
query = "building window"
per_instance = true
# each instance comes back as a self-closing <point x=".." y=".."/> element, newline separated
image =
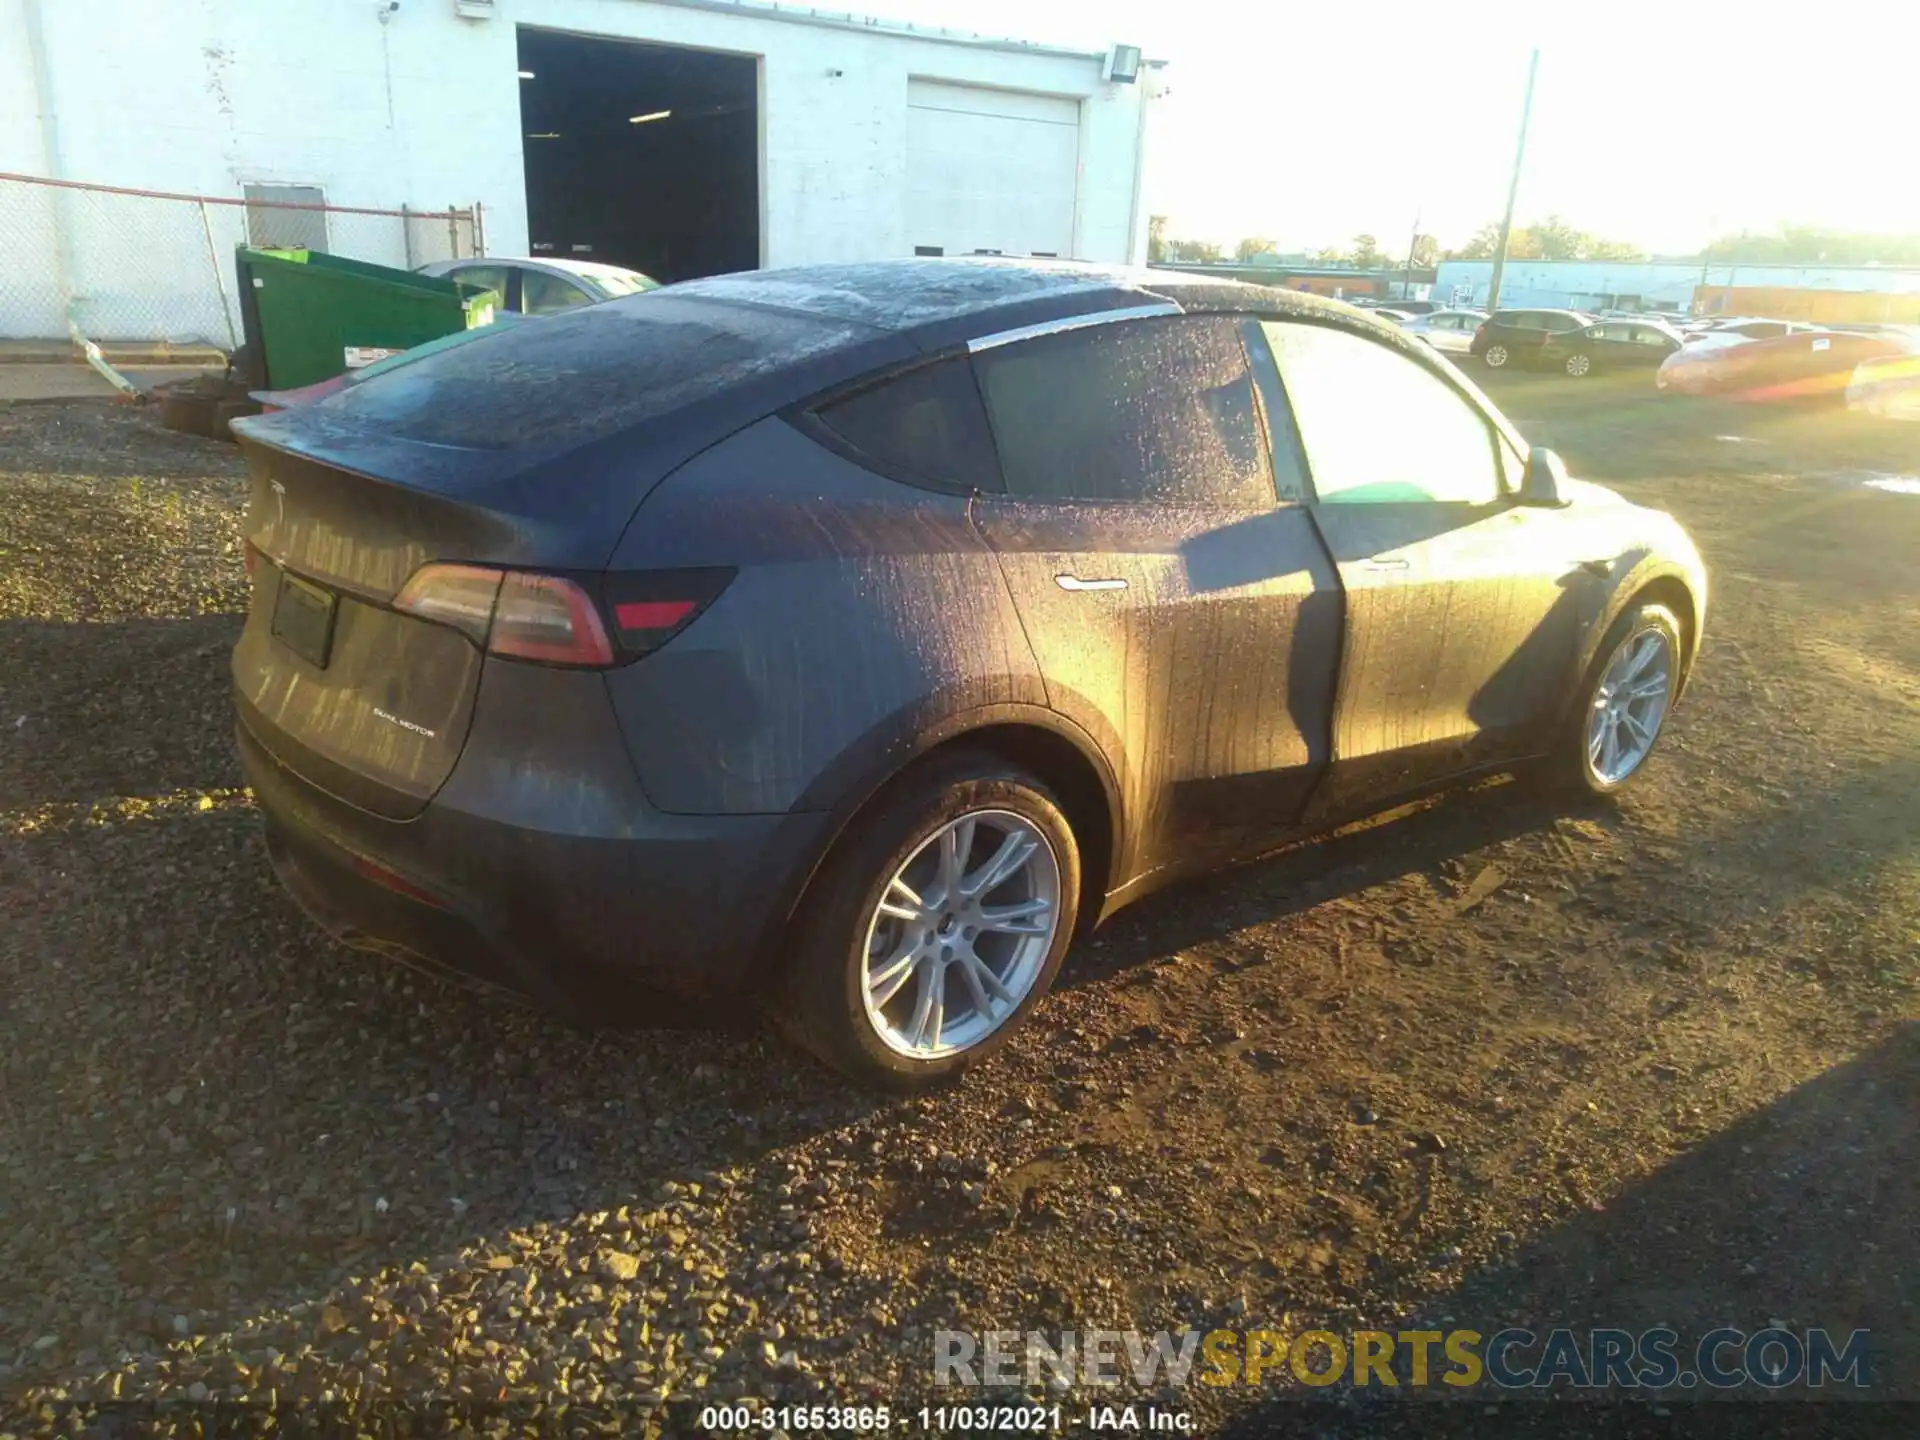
<point x="272" y="226"/>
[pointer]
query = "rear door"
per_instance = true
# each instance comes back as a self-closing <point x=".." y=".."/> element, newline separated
<point x="1611" y="343"/>
<point x="1449" y="333"/>
<point x="1461" y="607"/>
<point x="1183" y="610"/>
<point x="1648" y="346"/>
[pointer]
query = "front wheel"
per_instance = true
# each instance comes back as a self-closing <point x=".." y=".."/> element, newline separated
<point x="935" y="927"/>
<point x="1579" y="365"/>
<point x="1496" y="356"/>
<point x="1625" y="698"/>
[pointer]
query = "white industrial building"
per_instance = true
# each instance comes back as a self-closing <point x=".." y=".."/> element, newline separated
<point x="681" y="137"/>
<point x="1648" y="284"/>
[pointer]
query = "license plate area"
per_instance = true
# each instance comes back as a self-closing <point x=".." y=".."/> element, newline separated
<point x="303" y="618"/>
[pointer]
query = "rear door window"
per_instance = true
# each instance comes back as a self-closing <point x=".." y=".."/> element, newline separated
<point x="925" y="425"/>
<point x="487" y="277"/>
<point x="1143" y="411"/>
<point x="1380" y="428"/>
<point x="544" y="294"/>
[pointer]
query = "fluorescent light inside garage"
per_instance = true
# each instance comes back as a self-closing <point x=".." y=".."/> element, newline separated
<point x="651" y="115"/>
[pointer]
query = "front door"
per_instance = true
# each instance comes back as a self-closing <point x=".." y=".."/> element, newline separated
<point x="1183" y="613"/>
<point x="1461" y="607"/>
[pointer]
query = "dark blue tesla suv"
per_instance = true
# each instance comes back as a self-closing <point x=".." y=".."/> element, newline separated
<point x="855" y="636"/>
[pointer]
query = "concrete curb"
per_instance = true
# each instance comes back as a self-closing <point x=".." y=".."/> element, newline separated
<point x="46" y="352"/>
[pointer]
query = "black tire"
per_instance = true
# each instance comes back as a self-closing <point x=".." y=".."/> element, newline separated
<point x="1570" y="765"/>
<point x="822" y="1006"/>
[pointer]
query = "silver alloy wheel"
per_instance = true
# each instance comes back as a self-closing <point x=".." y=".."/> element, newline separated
<point x="1578" y="365"/>
<point x="961" y="934"/>
<point x="1496" y="356"/>
<point x="1629" y="705"/>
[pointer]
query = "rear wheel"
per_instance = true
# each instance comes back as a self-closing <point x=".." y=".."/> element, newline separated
<point x="1578" y="365"/>
<point x="935" y="927"/>
<point x="1495" y="356"/>
<point x="1625" y="699"/>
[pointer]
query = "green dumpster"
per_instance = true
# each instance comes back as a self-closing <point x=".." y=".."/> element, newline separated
<point x="310" y="316"/>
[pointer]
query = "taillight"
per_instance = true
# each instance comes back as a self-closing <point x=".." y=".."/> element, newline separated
<point x="546" y="618"/>
<point x="554" y="620"/>
<point x="458" y="595"/>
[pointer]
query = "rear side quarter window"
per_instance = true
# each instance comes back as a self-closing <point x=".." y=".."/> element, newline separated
<point x="925" y="426"/>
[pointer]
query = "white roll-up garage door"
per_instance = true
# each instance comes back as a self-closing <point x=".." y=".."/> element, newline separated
<point x="990" y="170"/>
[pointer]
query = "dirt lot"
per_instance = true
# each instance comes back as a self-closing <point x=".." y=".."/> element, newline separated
<point x="1488" y="1063"/>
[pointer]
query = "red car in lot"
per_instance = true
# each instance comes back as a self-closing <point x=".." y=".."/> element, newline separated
<point x="1809" y="364"/>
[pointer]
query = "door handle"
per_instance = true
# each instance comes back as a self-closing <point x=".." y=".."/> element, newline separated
<point x="1388" y="562"/>
<point x="1074" y="582"/>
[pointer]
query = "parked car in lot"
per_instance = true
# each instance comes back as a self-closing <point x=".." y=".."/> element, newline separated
<point x="1517" y="336"/>
<point x="1406" y="307"/>
<point x="845" y="640"/>
<point x="1610" y="345"/>
<point x="1717" y="333"/>
<point x="545" y="286"/>
<point x="1449" y="331"/>
<point x="1801" y="365"/>
<point x="1392" y="316"/>
<point x="1888" y="386"/>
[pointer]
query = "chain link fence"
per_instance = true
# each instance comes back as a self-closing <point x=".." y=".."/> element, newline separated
<point x="117" y="266"/>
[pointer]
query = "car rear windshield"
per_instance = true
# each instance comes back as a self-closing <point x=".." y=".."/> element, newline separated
<point x="570" y="378"/>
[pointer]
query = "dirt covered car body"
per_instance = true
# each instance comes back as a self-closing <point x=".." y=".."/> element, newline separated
<point x="847" y="635"/>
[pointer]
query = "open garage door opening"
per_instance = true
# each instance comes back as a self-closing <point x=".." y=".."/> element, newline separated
<point x="646" y="156"/>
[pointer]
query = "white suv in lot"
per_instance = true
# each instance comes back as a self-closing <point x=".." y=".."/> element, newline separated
<point x="1450" y="331"/>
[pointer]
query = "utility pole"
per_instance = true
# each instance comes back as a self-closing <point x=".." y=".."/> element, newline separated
<point x="1513" y="188"/>
<point x="1413" y="243"/>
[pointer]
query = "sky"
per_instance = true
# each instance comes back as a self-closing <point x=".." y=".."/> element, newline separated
<point x="1660" y="124"/>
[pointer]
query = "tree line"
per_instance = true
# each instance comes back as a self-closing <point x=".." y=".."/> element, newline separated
<point x="1554" y="239"/>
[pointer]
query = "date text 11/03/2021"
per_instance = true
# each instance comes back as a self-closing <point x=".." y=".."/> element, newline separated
<point x="942" y="1419"/>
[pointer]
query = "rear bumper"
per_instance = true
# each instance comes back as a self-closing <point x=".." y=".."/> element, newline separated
<point x="593" y="909"/>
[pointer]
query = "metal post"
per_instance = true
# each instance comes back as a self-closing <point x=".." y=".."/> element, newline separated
<point x="406" y="233"/>
<point x="1413" y="242"/>
<point x="453" y="235"/>
<point x="60" y="202"/>
<point x="219" y="288"/>
<point x="479" y="232"/>
<point x="1513" y="188"/>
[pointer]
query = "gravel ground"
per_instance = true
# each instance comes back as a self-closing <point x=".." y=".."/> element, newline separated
<point x="1484" y="1061"/>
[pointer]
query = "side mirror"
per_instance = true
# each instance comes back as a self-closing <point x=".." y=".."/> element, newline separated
<point x="1545" y="483"/>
